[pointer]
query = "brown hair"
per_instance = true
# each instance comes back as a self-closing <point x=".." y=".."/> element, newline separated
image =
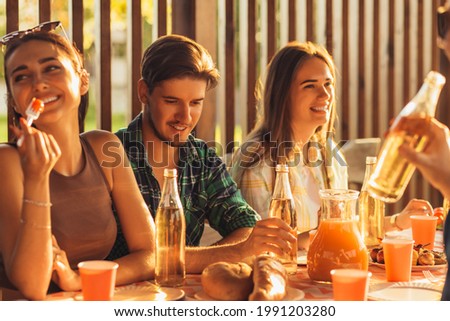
<point x="62" y="43"/>
<point x="272" y="137"/>
<point x="443" y="19"/>
<point x="175" y="56"/>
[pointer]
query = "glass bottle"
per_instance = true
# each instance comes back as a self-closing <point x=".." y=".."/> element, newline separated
<point x="392" y="172"/>
<point x="282" y="206"/>
<point x="338" y="243"/>
<point x="371" y="211"/>
<point x="170" y="223"/>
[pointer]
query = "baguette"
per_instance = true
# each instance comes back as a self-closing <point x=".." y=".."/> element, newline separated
<point x="269" y="280"/>
<point x="227" y="281"/>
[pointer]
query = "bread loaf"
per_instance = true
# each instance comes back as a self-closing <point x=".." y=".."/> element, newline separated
<point x="227" y="281"/>
<point x="269" y="278"/>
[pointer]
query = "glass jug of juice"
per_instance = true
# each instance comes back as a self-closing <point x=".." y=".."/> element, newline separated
<point x="338" y="243"/>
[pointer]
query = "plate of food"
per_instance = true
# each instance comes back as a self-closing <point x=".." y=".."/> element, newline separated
<point x="423" y="259"/>
<point x="415" y="267"/>
<point x="407" y="291"/>
<point x="292" y="294"/>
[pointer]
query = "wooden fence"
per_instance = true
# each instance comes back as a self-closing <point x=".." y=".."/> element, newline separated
<point x="383" y="49"/>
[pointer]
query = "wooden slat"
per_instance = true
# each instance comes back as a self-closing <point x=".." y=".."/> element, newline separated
<point x="392" y="85"/>
<point x="44" y="10"/>
<point x="206" y="127"/>
<point x="345" y="73"/>
<point x="77" y="21"/>
<point x="251" y="65"/>
<point x="329" y="26"/>
<point x="12" y="24"/>
<point x="434" y="49"/>
<point x="406" y="74"/>
<point x="292" y="20"/>
<point x="134" y="54"/>
<point x="310" y="20"/>
<point x="183" y="17"/>
<point x="418" y="187"/>
<point x="104" y="64"/>
<point x="376" y="70"/>
<point x="271" y="30"/>
<point x="420" y="42"/>
<point x="162" y="17"/>
<point x="361" y="72"/>
<point x="229" y="75"/>
<point x="406" y="54"/>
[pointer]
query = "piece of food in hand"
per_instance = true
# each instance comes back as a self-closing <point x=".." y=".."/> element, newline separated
<point x="380" y="257"/>
<point x="373" y="253"/>
<point x="415" y="257"/>
<point x="426" y="257"/>
<point x="269" y="278"/>
<point x="227" y="281"/>
<point x="33" y="111"/>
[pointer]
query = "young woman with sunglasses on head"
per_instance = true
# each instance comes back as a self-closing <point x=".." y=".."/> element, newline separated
<point x="57" y="195"/>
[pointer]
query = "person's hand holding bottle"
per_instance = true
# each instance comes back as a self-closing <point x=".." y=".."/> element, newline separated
<point x="434" y="161"/>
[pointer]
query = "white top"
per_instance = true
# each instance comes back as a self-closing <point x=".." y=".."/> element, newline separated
<point x="257" y="186"/>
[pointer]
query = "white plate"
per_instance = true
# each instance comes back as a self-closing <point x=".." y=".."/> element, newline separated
<point x="147" y="292"/>
<point x="416" y="267"/>
<point x="292" y="294"/>
<point x="142" y="292"/>
<point x="407" y="291"/>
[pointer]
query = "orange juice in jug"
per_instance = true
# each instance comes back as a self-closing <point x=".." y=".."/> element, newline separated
<point x="338" y="242"/>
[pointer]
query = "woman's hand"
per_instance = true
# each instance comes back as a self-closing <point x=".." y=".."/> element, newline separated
<point x="66" y="278"/>
<point x="414" y="207"/>
<point x="39" y="151"/>
<point x="433" y="161"/>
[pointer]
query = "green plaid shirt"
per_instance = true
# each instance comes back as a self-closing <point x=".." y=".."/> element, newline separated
<point x="206" y="189"/>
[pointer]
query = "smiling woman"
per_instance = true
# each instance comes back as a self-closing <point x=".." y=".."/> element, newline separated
<point x="59" y="206"/>
<point x="297" y="122"/>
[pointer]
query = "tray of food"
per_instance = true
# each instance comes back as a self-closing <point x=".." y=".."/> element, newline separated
<point x="422" y="258"/>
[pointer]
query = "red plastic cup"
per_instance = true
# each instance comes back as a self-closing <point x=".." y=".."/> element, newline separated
<point x="350" y="284"/>
<point x="98" y="279"/>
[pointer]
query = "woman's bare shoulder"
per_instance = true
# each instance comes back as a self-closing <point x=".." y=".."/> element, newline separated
<point x="99" y="136"/>
<point x="103" y="142"/>
<point x="8" y="151"/>
<point x="10" y="159"/>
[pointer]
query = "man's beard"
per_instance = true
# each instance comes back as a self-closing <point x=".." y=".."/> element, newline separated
<point x="173" y="143"/>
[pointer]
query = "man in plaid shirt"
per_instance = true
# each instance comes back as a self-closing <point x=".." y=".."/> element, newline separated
<point x="176" y="73"/>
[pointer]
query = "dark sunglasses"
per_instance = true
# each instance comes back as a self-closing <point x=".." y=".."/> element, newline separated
<point x="43" y="27"/>
<point x="443" y="19"/>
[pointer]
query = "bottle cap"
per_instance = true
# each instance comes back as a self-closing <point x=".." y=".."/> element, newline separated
<point x="282" y="168"/>
<point x="371" y="160"/>
<point x="435" y="78"/>
<point x="170" y="172"/>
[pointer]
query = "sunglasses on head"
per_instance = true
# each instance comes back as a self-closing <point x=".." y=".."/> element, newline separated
<point x="43" y="27"/>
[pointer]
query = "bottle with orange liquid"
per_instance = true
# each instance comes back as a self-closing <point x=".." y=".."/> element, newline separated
<point x="393" y="173"/>
<point x="282" y="206"/>
<point x="170" y="225"/>
<point x="338" y="242"/>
